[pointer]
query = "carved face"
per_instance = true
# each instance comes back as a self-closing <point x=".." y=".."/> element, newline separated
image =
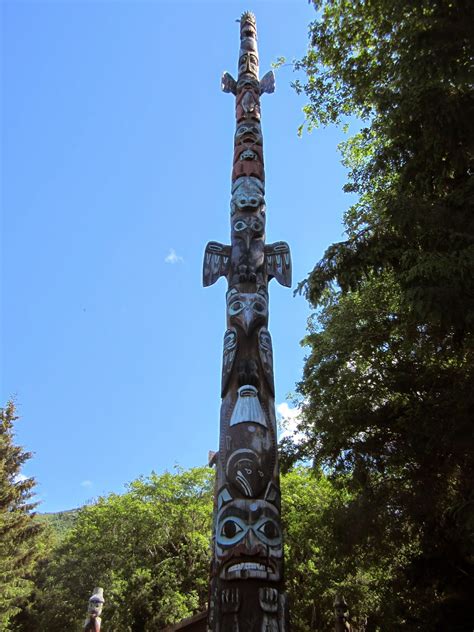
<point x="247" y="310"/>
<point x="95" y="607"/>
<point x="247" y="195"/>
<point x="248" y="154"/>
<point x="248" y="28"/>
<point x="249" y="541"/>
<point x="248" y="134"/>
<point x="340" y="609"/>
<point x="248" y="226"/>
<point x="248" y="63"/>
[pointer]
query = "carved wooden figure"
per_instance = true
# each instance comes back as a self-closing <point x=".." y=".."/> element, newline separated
<point x="94" y="610"/>
<point x="246" y="590"/>
<point x="341" y="615"/>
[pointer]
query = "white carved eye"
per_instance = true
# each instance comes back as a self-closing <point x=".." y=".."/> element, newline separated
<point x="230" y="529"/>
<point x="270" y="532"/>
<point x="240" y="225"/>
<point x="235" y="308"/>
<point x="259" y="307"/>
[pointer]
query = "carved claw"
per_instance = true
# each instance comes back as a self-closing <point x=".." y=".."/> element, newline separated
<point x="230" y="600"/>
<point x="268" y="598"/>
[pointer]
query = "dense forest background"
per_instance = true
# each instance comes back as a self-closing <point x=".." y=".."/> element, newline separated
<point x="383" y="510"/>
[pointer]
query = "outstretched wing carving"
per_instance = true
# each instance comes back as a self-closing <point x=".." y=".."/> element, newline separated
<point x="267" y="83"/>
<point x="278" y="262"/>
<point x="228" y="83"/>
<point x="216" y="262"/>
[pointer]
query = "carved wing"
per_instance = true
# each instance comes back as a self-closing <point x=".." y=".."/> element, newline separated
<point x="267" y="83"/>
<point x="278" y="262"/>
<point x="216" y="262"/>
<point x="228" y="83"/>
<point x="228" y="356"/>
<point x="265" y="351"/>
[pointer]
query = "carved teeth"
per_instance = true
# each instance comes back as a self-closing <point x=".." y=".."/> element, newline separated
<point x="248" y="570"/>
<point x="248" y="566"/>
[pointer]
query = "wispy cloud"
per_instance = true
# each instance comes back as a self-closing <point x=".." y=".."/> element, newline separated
<point x="19" y="478"/>
<point x="288" y="419"/>
<point x="87" y="483"/>
<point x="172" y="257"/>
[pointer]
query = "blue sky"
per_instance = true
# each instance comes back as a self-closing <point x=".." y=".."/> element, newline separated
<point x="117" y="151"/>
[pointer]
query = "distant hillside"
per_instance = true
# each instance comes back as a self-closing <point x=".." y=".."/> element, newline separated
<point x="60" y="521"/>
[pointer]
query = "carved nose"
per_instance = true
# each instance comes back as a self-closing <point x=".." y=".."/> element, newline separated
<point x="254" y="546"/>
<point x="247" y="318"/>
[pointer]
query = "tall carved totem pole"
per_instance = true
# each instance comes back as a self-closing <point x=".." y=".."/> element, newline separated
<point x="247" y="569"/>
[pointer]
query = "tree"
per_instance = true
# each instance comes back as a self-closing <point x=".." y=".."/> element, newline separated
<point x="19" y="532"/>
<point x="319" y="564"/>
<point x="148" y="548"/>
<point x="387" y="391"/>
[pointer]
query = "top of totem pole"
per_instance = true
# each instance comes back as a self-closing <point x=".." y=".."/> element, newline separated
<point x="248" y="68"/>
<point x="97" y="595"/>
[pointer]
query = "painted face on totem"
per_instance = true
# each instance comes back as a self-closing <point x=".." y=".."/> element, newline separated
<point x="95" y="607"/>
<point x="248" y="63"/>
<point x="247" y="195"/>
<point x="248" y="226"/>
<point x="248" y="154"/>
<point x="247" y="310"/>
<point x="248" y="134"/>
<point x="249" y="543"/>
<point x="340" y="608"/>
<point x="248" y="82"/>
<point x="248" y="28"/>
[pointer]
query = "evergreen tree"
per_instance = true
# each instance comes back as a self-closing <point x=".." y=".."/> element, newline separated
<point x="19" y="531"/>
<point x="388" y="388"/>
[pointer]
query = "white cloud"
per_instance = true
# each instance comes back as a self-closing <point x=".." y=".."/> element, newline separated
<point x="19" y="478"/>
<point x="288" y="419"/>
<point x="172" y="257"/>
<point x="87" y="483"/>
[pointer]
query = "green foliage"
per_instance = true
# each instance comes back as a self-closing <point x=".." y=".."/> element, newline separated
<point x="387" y="391"/>
<point x="19" y="531"/>
<point x="148" y="549"/>
<point x="407" y="69"/>
<point x="318" y="563"/>
<point x="59" y="522"/>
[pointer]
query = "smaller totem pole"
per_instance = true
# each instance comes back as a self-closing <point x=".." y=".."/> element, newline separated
<point x="94" y="610"/>
<point x="341" y="615"/>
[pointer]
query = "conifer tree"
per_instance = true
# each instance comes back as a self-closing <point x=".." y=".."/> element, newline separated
<point x="19" y="531"/>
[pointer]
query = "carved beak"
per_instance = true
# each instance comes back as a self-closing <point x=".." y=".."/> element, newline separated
<point x="248" y="319"/>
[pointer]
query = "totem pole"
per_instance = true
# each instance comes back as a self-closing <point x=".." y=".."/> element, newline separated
<point x="247" y="568"/>
<point x="94" y="610"/>
<point x="341" y="615"/>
